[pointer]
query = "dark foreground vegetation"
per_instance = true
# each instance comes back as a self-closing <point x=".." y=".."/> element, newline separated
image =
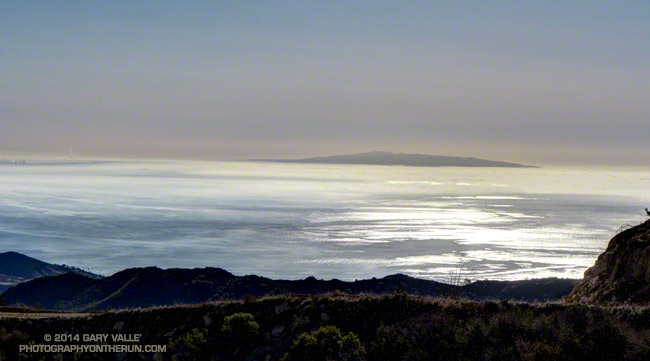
<point x="361" y="327"/>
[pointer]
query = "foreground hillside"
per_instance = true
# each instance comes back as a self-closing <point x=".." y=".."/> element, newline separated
<point x="363" y="327"/>
<point x="146" y="287"/>
<point x="16" y="268"/>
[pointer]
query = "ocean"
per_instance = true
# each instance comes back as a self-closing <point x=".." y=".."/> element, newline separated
<point x="331" y="221"/>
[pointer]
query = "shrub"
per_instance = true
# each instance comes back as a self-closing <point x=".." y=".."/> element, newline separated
<point x="191" y="346"/>
<point x="240" y="326"/>
<point x="400" y="290"/>
<point x="241" y="333"/>
<point x="421" y="338"/>
<point x="326" y="344"/>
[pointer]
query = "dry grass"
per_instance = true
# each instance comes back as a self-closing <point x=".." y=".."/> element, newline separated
<point x="388" y="326"/>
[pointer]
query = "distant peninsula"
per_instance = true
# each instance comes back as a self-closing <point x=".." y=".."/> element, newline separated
<point x="413" y="160"/>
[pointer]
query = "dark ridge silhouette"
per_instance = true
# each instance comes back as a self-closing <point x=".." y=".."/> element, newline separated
<point x="388" y="158"/>
<point x="16" y="268"/>
<point x="145" y="287"/>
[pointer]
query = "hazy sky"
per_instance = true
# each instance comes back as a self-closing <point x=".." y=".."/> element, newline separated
<point x="533" y="81"/>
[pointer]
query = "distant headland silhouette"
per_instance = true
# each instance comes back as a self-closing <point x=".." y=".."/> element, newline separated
<point x="388" y="158"/>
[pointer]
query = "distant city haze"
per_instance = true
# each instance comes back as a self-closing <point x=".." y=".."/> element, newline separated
<point x="515" y="81"/>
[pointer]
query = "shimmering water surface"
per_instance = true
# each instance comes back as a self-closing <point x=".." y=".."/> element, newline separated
<point x="330" y="221"/>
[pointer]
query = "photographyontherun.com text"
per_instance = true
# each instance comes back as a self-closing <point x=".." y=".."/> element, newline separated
<point x="63" y="343"/>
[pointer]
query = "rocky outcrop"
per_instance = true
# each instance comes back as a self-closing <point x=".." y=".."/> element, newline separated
<point x="621" y="273"/>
